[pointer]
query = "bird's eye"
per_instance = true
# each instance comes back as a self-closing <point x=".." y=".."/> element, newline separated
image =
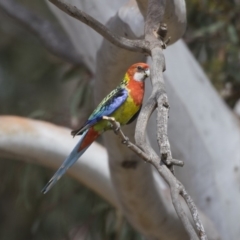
<point x="139" y="68"/>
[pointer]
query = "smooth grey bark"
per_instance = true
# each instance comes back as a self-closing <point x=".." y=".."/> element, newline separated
<point x="46" y="144"/>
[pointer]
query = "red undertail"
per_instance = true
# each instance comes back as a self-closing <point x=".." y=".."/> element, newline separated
<point x="90" y="137"/>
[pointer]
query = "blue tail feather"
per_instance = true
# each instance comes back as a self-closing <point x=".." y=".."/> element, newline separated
<point x="69" y="161"/>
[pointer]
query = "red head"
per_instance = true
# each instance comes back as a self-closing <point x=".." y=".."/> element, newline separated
<point x="134" y="80"/>
<point x="138" y="72"/>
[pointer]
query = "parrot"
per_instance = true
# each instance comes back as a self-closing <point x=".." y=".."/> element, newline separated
<point x="123" y="104"/>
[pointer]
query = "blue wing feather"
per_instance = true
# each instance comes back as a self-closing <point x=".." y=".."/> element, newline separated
<point x="108" y="105"/>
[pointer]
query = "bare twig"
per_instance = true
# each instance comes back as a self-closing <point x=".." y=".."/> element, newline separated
<point x="175" y="186"/>
<point x="131" y="45"/>
<point x="194" y="212"/>
<point x="159" y="99"/>
<point x="125" y="140"/>
<point x="49" y="36"/>
<point x="152" y="45"/>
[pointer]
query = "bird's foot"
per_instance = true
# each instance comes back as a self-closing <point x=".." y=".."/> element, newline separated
<point x="115" y="125"/>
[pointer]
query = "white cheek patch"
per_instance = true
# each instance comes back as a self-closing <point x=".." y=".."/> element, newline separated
<point x="139" y="76"/>
<point x="147" y="72"/>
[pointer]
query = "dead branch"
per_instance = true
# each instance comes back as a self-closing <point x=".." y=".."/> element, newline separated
<point x="46" y="32"/>
<point x="152" y="45"/>
<point x="131" y="45"/>
<point x="159" y="99"/>
<point x="175" y="186"/>
<point x="194" y="212"/>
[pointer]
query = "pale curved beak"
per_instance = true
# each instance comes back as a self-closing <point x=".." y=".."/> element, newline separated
<point x="147" y="72"/>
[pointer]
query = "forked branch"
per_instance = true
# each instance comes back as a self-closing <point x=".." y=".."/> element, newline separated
<point x="176" y="187"/>
<point x="152" y="44"/>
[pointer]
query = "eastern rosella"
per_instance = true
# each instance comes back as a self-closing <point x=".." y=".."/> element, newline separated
<point x="123" y="103"/>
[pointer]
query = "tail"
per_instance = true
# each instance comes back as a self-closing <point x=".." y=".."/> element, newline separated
<point x="87" y="138"/>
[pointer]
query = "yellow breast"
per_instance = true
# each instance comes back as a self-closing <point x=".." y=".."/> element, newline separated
<point x="122" y="115"/>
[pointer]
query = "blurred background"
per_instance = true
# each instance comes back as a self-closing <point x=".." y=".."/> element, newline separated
<point x="37" y="84"/>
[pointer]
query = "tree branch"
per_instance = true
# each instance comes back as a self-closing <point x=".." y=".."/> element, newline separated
<point x="50" y="37"/>
<point x="175" y="186"/>
<point x="42" y="143"/>
<point x="131" y="45"/>
<point x="194" y="212"/>
<point x="35" y="142"/>
<point x="159" y="98"/>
